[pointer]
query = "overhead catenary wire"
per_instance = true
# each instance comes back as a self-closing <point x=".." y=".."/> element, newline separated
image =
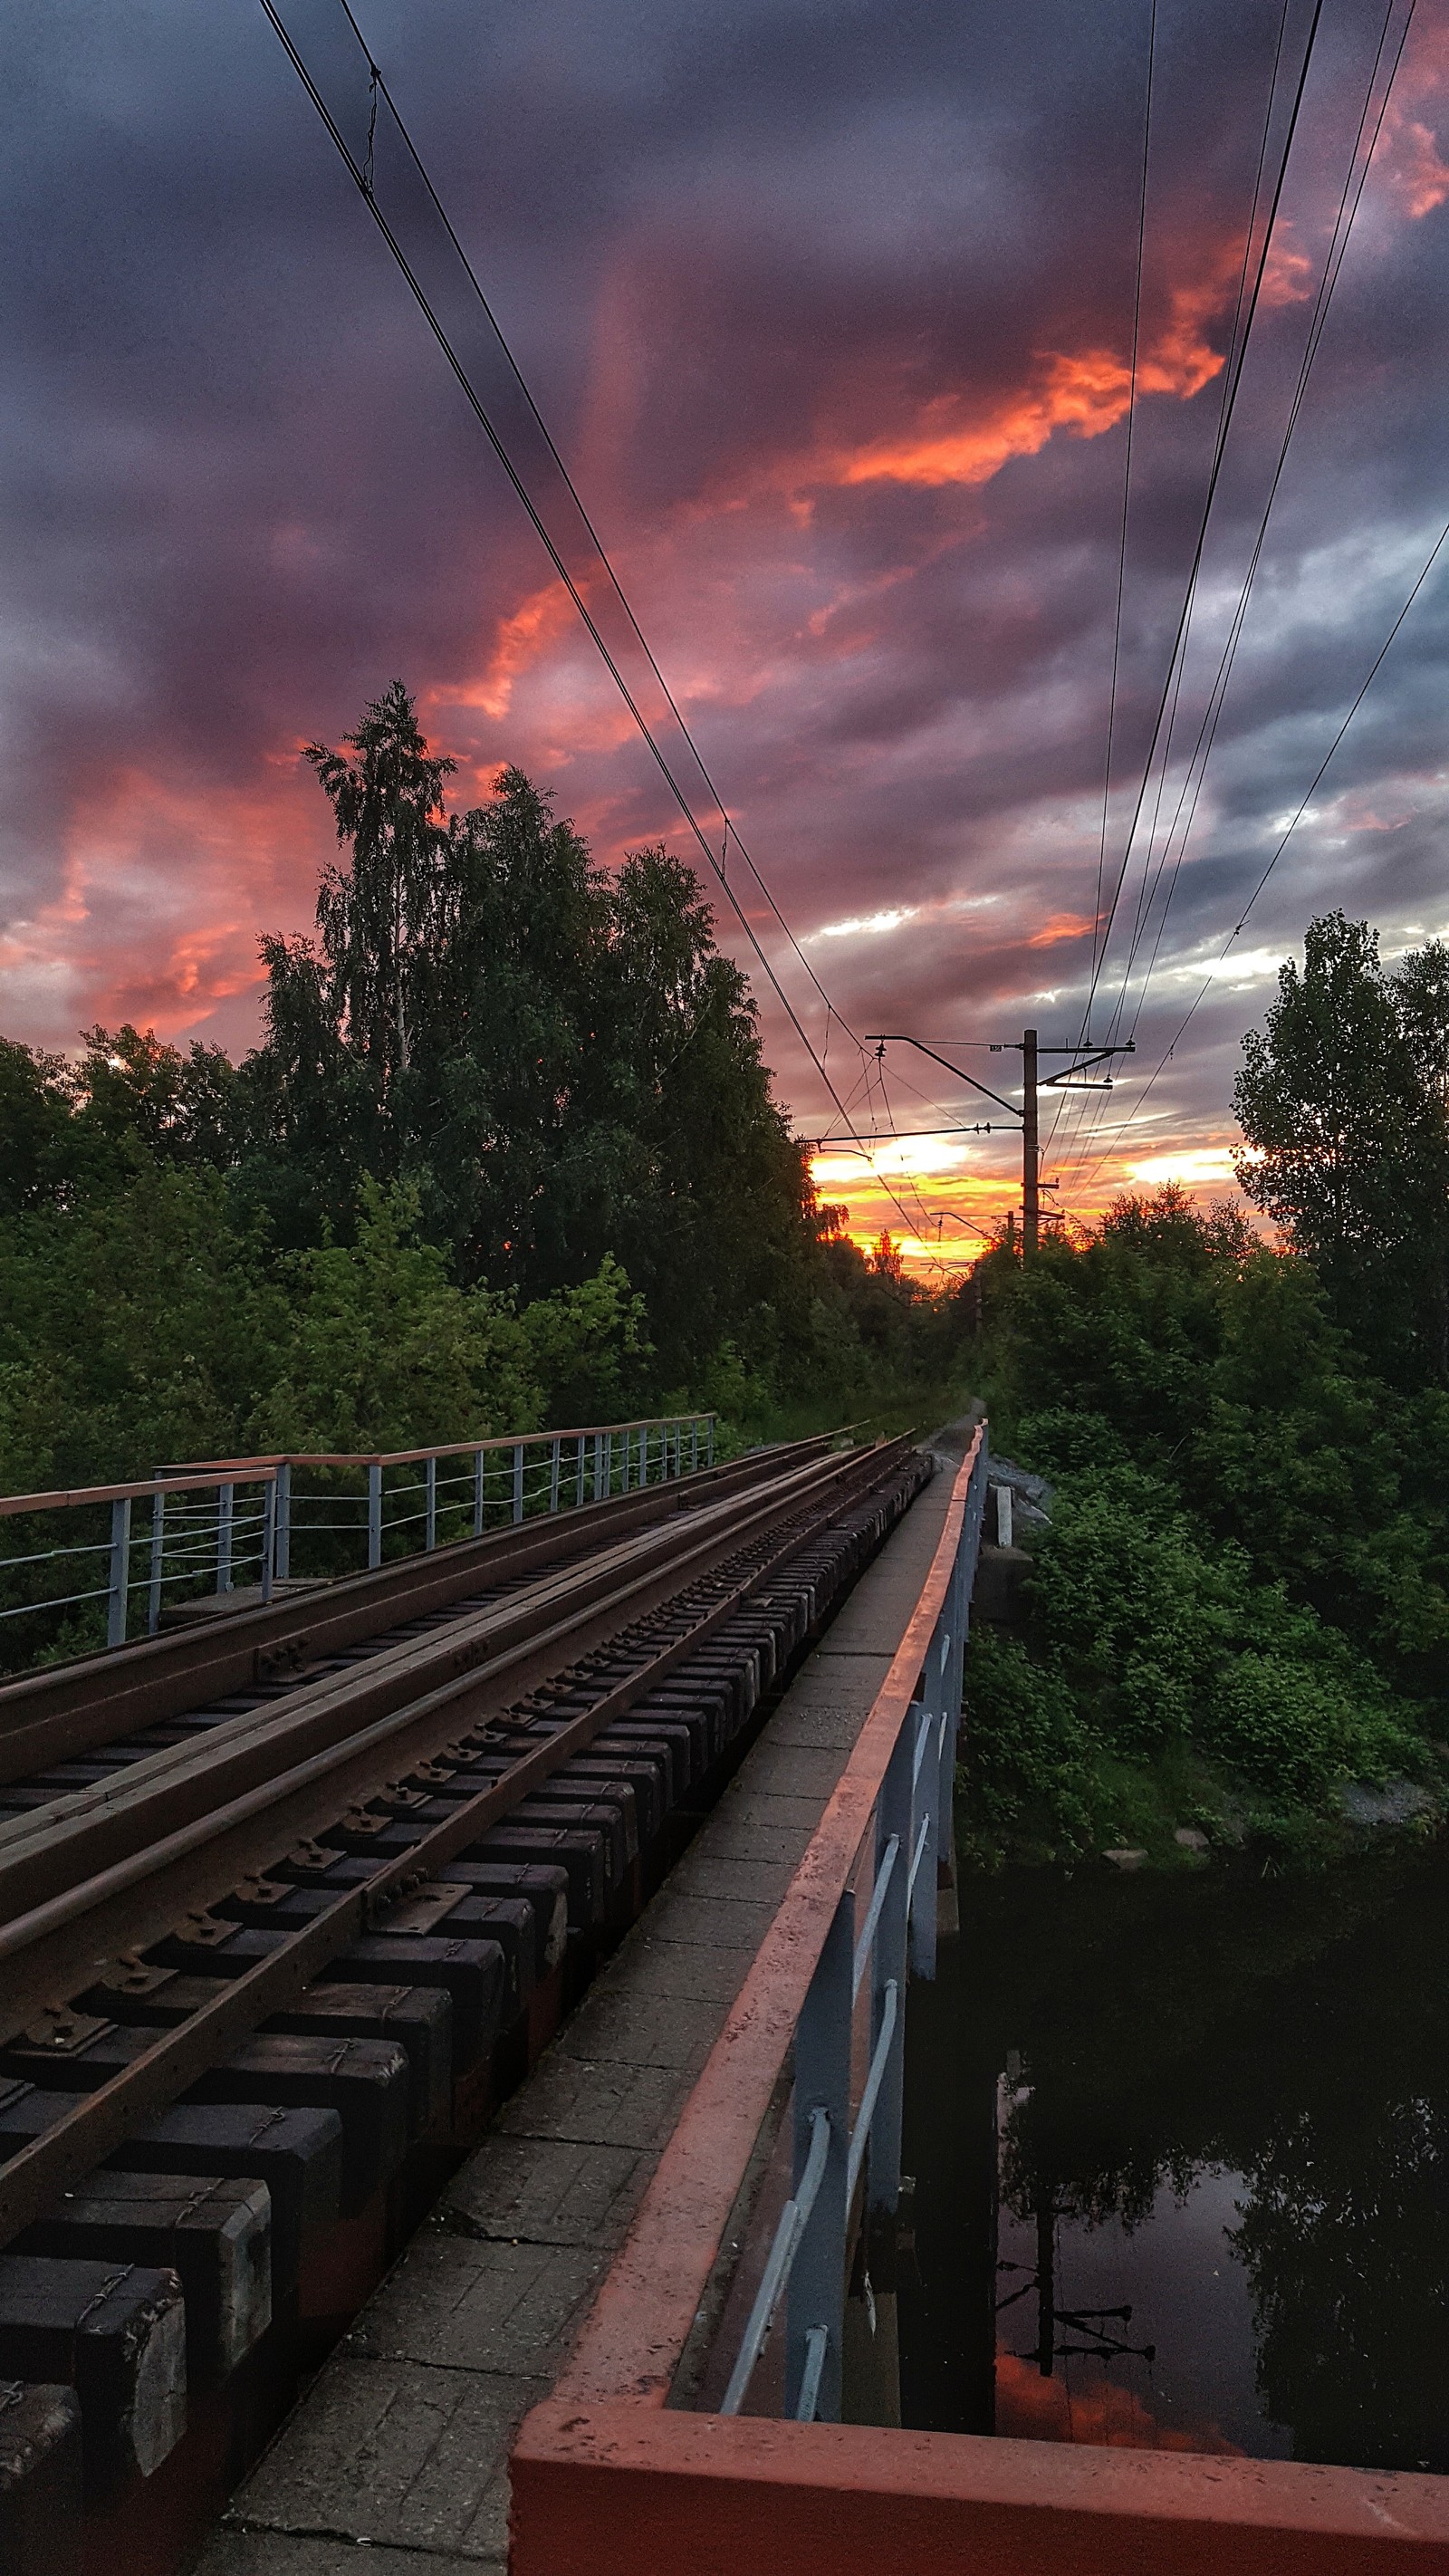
<point x="367" y="190"/>
<point x="364" y="180"/>
<point x="1231" y="371"/>
<point x="1236" y="365"/>
<point x="1302" y="808"/>
<point x="1333" y="262"/>
<point x="1350" y="198"/>
<point x="380" y="88"/>
<point x="1126" y="468"/>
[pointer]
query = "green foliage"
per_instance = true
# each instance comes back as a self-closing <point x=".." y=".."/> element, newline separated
<point x="1295" y="1728"/>
<point x="137" y="1330"/>
<point x="1244" y="1589"/>
<point x="1027" y="1759"/>
<point x="384" y="1352"/>
<point x="1342" y="1098"/>
<point x="1130" y="1608"/>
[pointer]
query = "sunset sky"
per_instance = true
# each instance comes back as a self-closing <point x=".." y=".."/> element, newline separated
<point x="829" y="309"/>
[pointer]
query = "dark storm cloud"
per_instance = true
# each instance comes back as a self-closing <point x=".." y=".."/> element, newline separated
<point x="831" y="308"/>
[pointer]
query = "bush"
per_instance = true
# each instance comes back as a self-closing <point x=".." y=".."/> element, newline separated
<point x="1026" y="1757"/>
<point x="1295" y="1730"/>
<point x="1130" y="1608"/>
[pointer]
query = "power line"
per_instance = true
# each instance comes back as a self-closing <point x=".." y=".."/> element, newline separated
<point x="1177" y="657"/>
<point x="1333" y="263"/>
<point x="730" y="833"/>
<point x="1225" y="423"/>
<point x="1297" y="818"/>
<point x="364" y="178"/>
<point x="1127" y="469"/>
<point x="1191" y="789"/>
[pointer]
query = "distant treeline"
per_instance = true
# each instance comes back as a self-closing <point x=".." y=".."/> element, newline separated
<point x="506" y="1155"/>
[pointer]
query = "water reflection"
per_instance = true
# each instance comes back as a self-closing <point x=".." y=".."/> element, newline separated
<point x="1182" y="2160"/>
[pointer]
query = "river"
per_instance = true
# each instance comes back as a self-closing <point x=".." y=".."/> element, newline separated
<point x="1181" y="2159"/>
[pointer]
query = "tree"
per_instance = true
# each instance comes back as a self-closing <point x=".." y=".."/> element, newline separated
<point x="560" y="1064"/>
<point x="1343" y="1107"/>
<point x="36" y="1127"/>
<point x="886" y="1260"/>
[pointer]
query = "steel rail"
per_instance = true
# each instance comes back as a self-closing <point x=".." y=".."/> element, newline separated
<point x="82" y="1833"/>
<point x="71" y="1709"/>
<point x="99" y="2121"/>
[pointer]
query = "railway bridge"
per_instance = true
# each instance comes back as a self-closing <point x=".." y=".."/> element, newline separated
<point x="452" y="2024"/>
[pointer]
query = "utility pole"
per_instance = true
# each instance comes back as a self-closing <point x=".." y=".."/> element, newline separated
<point x="1030" y="1155"/>
<point x="1077" y="1075"/>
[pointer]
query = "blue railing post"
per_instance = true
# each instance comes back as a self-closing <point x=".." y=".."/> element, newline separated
<point x="926" y="1731"/>
<point x="709" y="1442"/>
<point x="374" y="1516"/>
<point x="430" y="1502"/>
<point x="579" y="1476"/>
<point x="555" y="1465"/>
<point x="896" y="1820"/>
<point x="269" y="1534"/>
<point x="158" y="1564"/>
<point x="816" y="2296"/>
<point x="120" y="1571"/>
<point x="598" y="1466"/>
<point x="518" y="1480"/>
<point x="478" y="1456"/>
<point x="282" y="1549"/>
<point x="225" y="1508"/>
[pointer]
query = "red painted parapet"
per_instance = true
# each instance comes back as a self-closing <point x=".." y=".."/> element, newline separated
<point x="631" y="2490"/>
<point x="609" y="2479"/>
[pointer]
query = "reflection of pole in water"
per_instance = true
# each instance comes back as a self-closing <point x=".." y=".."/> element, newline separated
<point x="1040" y="2278"/>
<point x="1046" y="2286"/>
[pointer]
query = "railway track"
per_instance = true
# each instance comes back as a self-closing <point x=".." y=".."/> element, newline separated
<point x="290" y="1899"/>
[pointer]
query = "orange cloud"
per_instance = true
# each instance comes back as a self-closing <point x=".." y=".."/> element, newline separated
<point x="1287" y="276"/>
<point x="522" y="640"/>
<point x="1108" y="2414"/>
<point x="1062" y="925"/>
<point x="1418" y="175"/>
<point x="1409" y="145"/>
<point x="161" y="894"/>
<point x="1084" y="394"/>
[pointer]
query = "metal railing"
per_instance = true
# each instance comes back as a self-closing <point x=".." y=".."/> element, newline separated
<point x="807" y="2264"/>
<point x="234" y="1533"/>
<point x="215" y="1525"/>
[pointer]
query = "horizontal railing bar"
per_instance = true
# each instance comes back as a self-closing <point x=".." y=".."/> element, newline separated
<point x="514" y="1474"/>
<point x="258" y="1471"/>
<point x="454" y="1448"/>
<point x="860" y="2134"/>
<point x="780" y="2262"/>
<point x="888" y="1860"/>
<point x="43" y="1555"/>
<point x="916" y="1859"/>
<point x="62" y="1601"/>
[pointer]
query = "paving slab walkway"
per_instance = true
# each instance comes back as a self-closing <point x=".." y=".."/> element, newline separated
<point x="402" y="2443"/>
